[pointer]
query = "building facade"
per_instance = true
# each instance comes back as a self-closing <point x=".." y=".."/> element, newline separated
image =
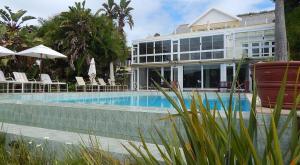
<point x="204" y="53"/>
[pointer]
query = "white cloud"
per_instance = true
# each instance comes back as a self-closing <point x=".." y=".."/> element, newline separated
<point x="150" y="16"/>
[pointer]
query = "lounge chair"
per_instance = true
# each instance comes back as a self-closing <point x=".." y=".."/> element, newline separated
<point x="103" y="84"/>
<point x="45" y="78"/>
<point x="115" y="86"/>
<point x="22" y="78"/>
<point x="7" y="81"/>
<point x="81" y="83"/>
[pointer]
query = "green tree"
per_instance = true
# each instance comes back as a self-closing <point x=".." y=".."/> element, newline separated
<point x="124" y="15"/>
<point x="80" y="34"/>
<point x="110" y="9"/>
<point x="13" y="22"/>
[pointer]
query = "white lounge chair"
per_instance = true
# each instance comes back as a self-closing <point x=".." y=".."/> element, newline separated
<point x="113" y="84"/>
<point x="45" y="78"/>
<point x="22" y="78"/>
<point x="81" y="83"/>
<point x="103" y="84"/>
<point x="7" y="81"/>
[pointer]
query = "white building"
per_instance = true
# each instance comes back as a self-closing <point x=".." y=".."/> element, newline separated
<point x="204" y="53"/>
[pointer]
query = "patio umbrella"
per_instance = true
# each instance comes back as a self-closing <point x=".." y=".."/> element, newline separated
<point x="92" y="69"/>
<point x="41" y="51"/>
<point x="5" y="52"/>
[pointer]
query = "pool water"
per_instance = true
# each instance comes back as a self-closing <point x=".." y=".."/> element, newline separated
<point x="155" y="101"/>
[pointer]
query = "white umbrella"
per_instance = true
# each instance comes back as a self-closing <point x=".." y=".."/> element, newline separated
<point x="111" y="71"/>
<point x="92" y="69"/>
<point x="41" y="51"/>
<point x="5" y="52"/>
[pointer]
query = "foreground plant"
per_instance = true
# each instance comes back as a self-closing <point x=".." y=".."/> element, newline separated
<point x="208" y="138"/>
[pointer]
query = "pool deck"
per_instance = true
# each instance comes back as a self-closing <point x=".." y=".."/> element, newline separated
<point x="112" y="145"/>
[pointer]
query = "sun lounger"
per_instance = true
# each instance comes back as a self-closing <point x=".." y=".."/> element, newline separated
<point x="22" y="78"/>
<point x="7" y="81"/>
<point x="81" y="83"/>
<point x="104" y="85"/>
<point x="47" y="81"/>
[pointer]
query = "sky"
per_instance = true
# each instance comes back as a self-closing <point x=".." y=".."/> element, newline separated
<point x="150" y="16"/>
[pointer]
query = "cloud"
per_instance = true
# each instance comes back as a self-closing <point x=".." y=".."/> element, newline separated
<point x="150" y="16"/>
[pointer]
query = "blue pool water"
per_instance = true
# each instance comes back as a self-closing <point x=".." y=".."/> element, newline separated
<point x="155" y="101"/>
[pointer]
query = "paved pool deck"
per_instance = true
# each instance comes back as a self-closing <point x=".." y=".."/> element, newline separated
<point x="111" y="145"/>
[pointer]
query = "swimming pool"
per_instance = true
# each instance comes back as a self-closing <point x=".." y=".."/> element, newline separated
<point x="140" y="100"/>
<point x="110" y="114"/>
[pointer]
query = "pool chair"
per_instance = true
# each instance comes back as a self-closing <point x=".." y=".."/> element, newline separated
<point x="81" y="83"/>
<point x="49" y="83"/>
<point x="104" y="85"/>
<point x="22" y="78"/>
<point x="114" y="86"/>
<point x="6" y="81"/>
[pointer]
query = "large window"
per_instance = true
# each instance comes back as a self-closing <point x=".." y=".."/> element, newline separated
<point x="175" y="46"/>
<point x="167" y="46"/>
<point x="207" y="43"/>
<point x="192" y="76"/>
<point x="150" y="48"/>
<point x="211" y="76"/>
<point x="158" y="47"/>
<point x="154" y="76"/>
<point x="195" y="44"/>
<point x="184" y="45"/>
<point x="218" y="42"/>
<point x="143" y="48"/>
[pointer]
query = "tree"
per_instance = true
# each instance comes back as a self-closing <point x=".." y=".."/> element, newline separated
<point x="124" y="15"/>
<point x="281" y="53"/>
<point x="80" y="34"/>
<point x="109" y="9"/>
<point x="13" y="22"/>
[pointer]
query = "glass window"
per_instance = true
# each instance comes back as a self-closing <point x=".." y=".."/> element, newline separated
<point x="184" y="45"/>
<point x="194" y="44"/>
<point x="195" y="56"/>
<point x="167" y="74"/>
<point x="192" y="76"/>
<point x="150" y="59"/>
<point x="150" y="48"/>
<point x="158" y="58"/>
<point x="207" y="43"/>
<point x="206" y="55"/>
<point x="134" y="51"/>
<point x="255" y="44"/>
<point x="154" y="76"/>
<point x="167" y="46"/>
<point x="143" y="48"/>
<point x="255" y="52"/>
<point x="175" y="57"/>
<point x="175" y="46"/>
<point x="266" y="51"/>
<point x="166" y="58"/>
<point x="143" y="59"/>
<point x="218" y="42"/>
<point x="218" y="54"/>
<point x="158" y="47"/>
<point x="184" y="56"/>
<point x="211" y="76"/>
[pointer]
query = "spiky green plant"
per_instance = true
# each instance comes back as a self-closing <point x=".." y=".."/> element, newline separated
<point x="209" y="138"/>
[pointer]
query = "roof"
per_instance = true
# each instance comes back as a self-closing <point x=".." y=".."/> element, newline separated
<point x="210" y="11"/>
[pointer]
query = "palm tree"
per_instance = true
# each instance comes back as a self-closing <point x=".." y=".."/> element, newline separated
<point x="124" y="15"/>
<point x="13" y="20"/>
<point x="76" y="23"/>
<point x="280" y="32"/>
<point x="109" y="9"/>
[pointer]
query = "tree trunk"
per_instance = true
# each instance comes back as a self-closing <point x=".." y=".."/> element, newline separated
<point x="281" y="53"/>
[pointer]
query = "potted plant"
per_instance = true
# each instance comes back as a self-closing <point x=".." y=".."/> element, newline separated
<point x="269" y="75"/>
